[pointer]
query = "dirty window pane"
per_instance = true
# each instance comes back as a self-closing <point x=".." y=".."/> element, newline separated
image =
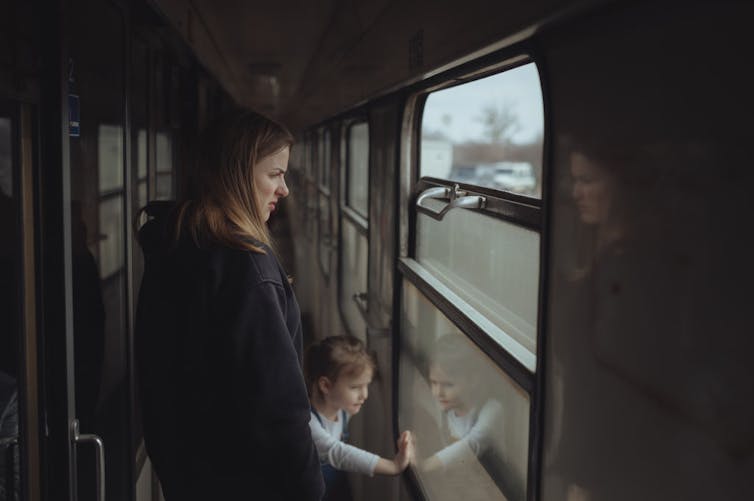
<point x="354" y="277"/>
<point x="358" y="168"/>
<point x="471" y="421"/>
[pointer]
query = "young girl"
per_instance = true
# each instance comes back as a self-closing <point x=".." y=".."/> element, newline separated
<point x="338" y="372"/>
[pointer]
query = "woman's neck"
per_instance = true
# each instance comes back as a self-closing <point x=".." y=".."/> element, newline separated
<point x="324" y="408"/>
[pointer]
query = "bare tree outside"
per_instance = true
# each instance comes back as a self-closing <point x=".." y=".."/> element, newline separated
<point x="500" y="122"/>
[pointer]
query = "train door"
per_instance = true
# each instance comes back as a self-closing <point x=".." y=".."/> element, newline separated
<point x="19" y="425"/>
<point x="99" y="242"/>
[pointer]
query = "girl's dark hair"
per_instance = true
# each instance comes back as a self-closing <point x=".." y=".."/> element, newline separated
<point x="220" y="199"/>
<point x="334" y="356"/>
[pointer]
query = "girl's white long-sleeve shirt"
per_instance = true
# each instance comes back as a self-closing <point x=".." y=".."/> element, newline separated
<point x="331" y="450"/>
<point x="473" y="431"/>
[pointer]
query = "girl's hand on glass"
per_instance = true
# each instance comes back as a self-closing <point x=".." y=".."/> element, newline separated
<point x="406" y="451"/>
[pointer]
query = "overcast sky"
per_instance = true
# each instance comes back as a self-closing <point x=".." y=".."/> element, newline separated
<point x="519" y="88"/>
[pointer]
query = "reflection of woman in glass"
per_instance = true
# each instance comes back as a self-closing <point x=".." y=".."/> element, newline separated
<point x="602" y="215"/>
<point x="616" y="324"/>
<point x="469" y="420"/>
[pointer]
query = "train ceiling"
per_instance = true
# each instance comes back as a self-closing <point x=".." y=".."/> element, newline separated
<point x="302" y="60"/>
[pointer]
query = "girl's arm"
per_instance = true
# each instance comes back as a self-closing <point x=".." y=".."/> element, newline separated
<point x="340" y="455"/>
<point x="475" y="442"/>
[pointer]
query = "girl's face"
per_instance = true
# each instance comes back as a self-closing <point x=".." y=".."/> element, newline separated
<point x="269" y="181"/>
<point x="350" y="391"/>
<point x="592" y="190"/>
<point x="447" y="391"/>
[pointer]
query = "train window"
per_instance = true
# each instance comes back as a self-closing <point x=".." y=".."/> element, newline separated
<point x="309" y="205"/>
<point x="354" y="230"/>
<point x="325" y="232"/>
<point x="353" y="269"/>
<point x="312" y="200"/>
<point x="109" y="162"/>
<point x="488" y="132"/>
<point x="470" y="419"/>
<point x="357" y="174"/>
<point x="471" y="282"/>
<point x="309" y="164"/>
<point x="324" y="159"/>
<point x="141" y="169"/>
<point x="164" y="167"/>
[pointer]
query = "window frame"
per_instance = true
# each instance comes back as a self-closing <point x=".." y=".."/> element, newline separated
<point x="528" y="212"/>
<point x="348" y="215"/>
<point x="324" y="135"/>
<point x="310" y="187"/>
<point x="360" y="218"/>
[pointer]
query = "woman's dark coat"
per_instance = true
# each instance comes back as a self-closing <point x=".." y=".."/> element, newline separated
<point x="223" y="400"/>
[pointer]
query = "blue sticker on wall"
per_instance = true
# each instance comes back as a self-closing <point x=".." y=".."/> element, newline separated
<point x="74" y="123"/>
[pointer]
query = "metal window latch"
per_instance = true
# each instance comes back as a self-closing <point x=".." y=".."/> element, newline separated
<point x="99" y="449"/>
<point x="455" y="196"/>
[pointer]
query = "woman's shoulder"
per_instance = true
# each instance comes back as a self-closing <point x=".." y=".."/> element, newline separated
<point x="247" y="265"/>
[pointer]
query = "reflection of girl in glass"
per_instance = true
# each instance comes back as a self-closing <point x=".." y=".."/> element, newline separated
<point x="469" y="419"/>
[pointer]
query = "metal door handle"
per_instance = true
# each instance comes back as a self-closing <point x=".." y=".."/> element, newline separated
<point x="455" y="196"/>
<point x="99" y="449"/>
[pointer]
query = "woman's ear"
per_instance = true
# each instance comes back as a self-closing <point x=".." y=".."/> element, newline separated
<point x="324" y="384"/>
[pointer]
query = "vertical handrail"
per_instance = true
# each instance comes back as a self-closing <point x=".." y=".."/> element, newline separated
<point x="99" y="449"/>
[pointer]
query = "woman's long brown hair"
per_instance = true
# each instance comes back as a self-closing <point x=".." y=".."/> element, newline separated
<point x="220" y="201"/>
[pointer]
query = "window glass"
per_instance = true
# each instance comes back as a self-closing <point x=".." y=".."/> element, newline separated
<point x="471" y="421"/>
<point x="110" y="168"/>
<point x="490" y="263"/>
<point x="324" y="233"/>
<point x="358" y="168"/>
<point x="324" y="159"/>
<point x="111" y="243"/>
<point x="354" y="277"/>
<point x="141" y="168"/>
<point x="141" y="154"/>
<point x="164" y="175"/>
<point x="309" y="156"/>
<point x="109" y="154"/>
<point x="311" y="209"/>
<point x="488" y="132"/>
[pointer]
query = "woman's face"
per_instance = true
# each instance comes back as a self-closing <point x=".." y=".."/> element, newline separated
<point x="592" y="189"/>
<point x="447" y="391"/>
<point x="269" y="181"/>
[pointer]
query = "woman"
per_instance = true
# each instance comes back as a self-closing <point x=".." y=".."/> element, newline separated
<point x="225" y="407"/>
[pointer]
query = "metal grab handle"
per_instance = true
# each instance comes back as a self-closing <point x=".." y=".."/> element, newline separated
<point x="455" y="196"/>
<point x="437" y="192"/>
<point x="99" y="449"/>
